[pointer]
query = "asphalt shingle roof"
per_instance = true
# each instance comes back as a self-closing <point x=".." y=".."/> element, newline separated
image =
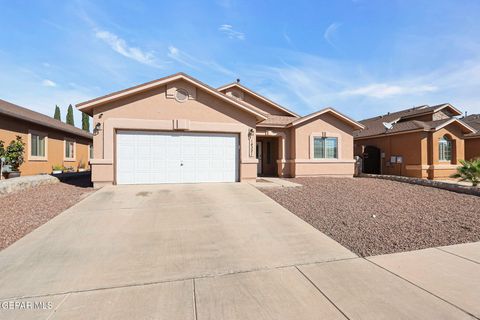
<point x="374" y="126"/>
<point x="15" y="111"/>
<point x="473" y="121"/>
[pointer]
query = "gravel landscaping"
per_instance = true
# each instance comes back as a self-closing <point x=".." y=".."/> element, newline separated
<point x="372" y="216"/>
<point x="24" y="211"/>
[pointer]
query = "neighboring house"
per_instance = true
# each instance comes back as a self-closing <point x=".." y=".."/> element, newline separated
<point x="422" y="142"/>
<point x="179" y="130"/>
<point x="48" y="142"/>
<point x="472" y="140"/>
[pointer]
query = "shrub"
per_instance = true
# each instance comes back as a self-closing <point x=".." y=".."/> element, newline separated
<point x="469" y="171"/>
<point x="57" y="167"/>
<point x="14" y="153"/>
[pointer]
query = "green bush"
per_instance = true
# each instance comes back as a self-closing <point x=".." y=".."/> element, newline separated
<point x="469" y="171"/>
<point x="14" y="153"/>
<point x="57" y="167"/>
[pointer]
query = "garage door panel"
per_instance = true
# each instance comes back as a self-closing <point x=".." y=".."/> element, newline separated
<point x="155" y="157"/>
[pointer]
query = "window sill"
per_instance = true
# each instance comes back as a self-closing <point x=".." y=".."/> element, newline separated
<point x="325" y="159"/>
<point x="38" y="159"/>
<point x="69" y="160"/>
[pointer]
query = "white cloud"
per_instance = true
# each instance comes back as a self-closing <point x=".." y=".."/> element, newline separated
<point x="195" y="63"/>
<point x="120" y="46"/>
<point x="48" y="83"/>
<point x="181" y="57"/>
<point x="383" y="90"/>
<point x="228" y="30"/>
<point x="23" y="86"/>
<point x="308" y="83"/>
<point x="330" y="32"/>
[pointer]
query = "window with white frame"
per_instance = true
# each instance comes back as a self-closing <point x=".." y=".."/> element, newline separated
<point x="37" y="145"/>
<point x="69" y="149"/>
<point x="445" y="149"/>
<point x="325" y="148"/>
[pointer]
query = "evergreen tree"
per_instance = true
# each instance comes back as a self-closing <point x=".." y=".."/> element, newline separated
<point x="85" y="122"/>
<point x="69" y="119"/>
<point x="57" y="113"/>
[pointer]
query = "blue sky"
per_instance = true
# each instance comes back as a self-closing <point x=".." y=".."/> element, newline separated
<point x="362" y="57"/>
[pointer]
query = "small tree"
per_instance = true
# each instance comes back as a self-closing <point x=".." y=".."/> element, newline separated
<point x="469" y="171"/>
<point x="14" y="153"/>
<point x="85" y="122"/>
<point x="2" y="149"/>
<point x="69" y="119"/>
<point x="57" y="114"/>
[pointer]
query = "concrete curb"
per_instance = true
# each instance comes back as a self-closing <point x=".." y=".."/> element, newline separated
<point x="427" y="183"/>
<point x="22" y="183"/>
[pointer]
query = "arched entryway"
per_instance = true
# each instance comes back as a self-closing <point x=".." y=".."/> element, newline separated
<point x="371" y="160"/>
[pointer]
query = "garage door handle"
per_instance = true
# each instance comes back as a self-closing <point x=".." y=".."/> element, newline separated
<point x="181" y="164"/>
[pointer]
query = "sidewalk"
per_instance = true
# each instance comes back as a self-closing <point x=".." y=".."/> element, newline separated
<point x="435" y="283"/>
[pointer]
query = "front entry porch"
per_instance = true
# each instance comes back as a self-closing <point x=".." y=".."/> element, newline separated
<point x="267" y="154"/>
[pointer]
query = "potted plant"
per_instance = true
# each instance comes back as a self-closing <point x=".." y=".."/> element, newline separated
<point x="14" y="156"/>
<point x="57" y="169"/>
<point x="68" y="169"/>
<point x="81" y="166"/>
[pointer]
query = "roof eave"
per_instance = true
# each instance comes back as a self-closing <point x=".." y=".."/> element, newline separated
<point x="389" y="134"/>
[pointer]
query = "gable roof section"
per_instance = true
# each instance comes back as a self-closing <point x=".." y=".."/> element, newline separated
<point x="466" y="128"/>
<point x="473" y="121"/>
<point x="277" y="121"/>
<point x="404" y="121"/>
<point x="355" y="125"/>
<point x="15" y="111"/>
<point x="411" y="113"/>
<point x="87" y="106"/>
<point x="258" y="96"/>
<point x="411" y="126"/>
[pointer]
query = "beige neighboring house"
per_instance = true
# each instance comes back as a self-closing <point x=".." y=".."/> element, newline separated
<point x="48" y="142"/>
<point x="179" y="130"/>
<point x="472" y="140"/>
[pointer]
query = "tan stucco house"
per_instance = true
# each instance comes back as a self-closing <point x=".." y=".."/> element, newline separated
<point x="179" y="130"/>
<point x="48" y="142"/>
<point x="422" y="142"/>
<point x="472" y="140"/>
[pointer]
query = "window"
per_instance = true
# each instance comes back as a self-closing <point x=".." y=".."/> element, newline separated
<point x="181" y="95"/>
<point x="445" y="149"/>
<point x="69" y="149"/>
<point x="325" y="148"/>
<point x="91" y="151"/>
<point x="37" y="145"/>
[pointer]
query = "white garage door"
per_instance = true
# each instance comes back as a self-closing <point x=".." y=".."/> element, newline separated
<point x="145" y="157"/>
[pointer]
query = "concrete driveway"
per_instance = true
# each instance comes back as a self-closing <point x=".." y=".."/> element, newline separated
<point x="200" y="251"/>
<point x="158" y="238"/>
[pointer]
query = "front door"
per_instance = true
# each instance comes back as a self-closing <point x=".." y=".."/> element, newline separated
<point x="259" y="157"/>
